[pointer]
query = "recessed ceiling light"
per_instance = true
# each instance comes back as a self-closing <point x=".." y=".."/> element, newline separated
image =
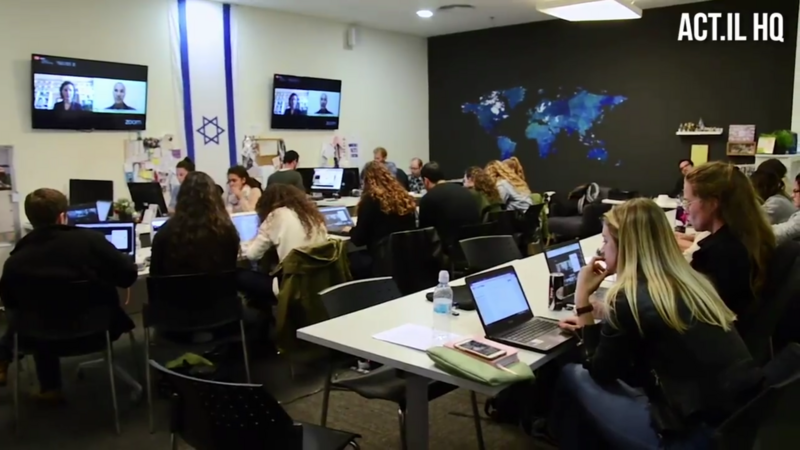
<point x="425" y="13"/>
<point x="591" y="10"/>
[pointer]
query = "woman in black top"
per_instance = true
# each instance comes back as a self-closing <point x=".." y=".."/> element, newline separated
<point x="385" y="208"/>
<point x="666" y="324"/>
<point x="720" y="199"/>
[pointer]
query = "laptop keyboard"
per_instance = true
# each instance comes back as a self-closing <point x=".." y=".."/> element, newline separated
<point x="531" y="330"/>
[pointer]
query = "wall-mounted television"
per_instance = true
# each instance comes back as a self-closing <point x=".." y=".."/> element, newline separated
<point x="303" y="103"/>
<point x="78" y="94"/>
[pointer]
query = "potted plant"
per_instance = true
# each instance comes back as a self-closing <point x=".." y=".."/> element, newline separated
<point x="124" y="210"/>
<point x="785" y="142"/>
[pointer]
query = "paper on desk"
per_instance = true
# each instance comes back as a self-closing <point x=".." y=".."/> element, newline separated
<point x="413" y="336"/>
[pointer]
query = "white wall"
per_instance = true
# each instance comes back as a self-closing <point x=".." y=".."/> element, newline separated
<point x="385" y="88"/>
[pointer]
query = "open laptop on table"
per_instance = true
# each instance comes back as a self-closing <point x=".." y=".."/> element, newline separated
<point x="121" y="234"/>
<point x="568" y="259"/>
<point x="506" y="315"/>
<point x="336" y="219"/>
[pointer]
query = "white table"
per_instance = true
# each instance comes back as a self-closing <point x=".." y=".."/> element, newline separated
<point x="669" y="203"/>
<point x="348" y="202"/>
<point x="352" y="334"/>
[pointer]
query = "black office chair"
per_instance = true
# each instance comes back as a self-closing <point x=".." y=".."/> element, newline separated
<point x="770" y="419"/>
<point x="532" y="224"/>
<point x="458" y="262"/>
<point x="781" y="289"/>
<point x="383" y="383"/>
<point x="42" y="319"/>
<point x="187" y="304"/>
<point x="414" y="263"/>
<point x="506" y="222"/>
<point x="210" y="415"/>
<point x="485" y="252"/>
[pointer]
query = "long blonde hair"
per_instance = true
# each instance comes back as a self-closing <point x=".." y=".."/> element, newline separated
<point x="646" y="246"/>
<point x="516" y="166"/>
<point x="499" y="171"/>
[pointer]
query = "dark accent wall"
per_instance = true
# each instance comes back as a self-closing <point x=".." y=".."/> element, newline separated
<point x="665" y="82"/>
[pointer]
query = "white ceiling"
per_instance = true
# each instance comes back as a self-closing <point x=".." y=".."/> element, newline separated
<point x="400" y="15"/>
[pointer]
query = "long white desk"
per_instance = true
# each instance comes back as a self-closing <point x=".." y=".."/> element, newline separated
<point x="352" y="334"/>
<point x="349" y="202"/>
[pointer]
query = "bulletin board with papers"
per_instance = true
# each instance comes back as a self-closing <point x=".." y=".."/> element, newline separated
<point x="152" y="159"/>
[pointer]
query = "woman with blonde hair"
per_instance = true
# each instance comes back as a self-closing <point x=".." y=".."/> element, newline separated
<point x="515" y="166"/>
<point x="484" y="190"/>
<point x="720" y="199"/>
<point x="514" y="191"/>
<point x="385" y="208"/>
<point x="666" y="321"/>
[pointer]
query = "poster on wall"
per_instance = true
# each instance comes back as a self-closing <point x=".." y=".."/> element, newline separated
<point x="152" y="160"/>
<point x="262" y="156"/>
<point x="339" y="152"/>
<point x="742" y="133"/>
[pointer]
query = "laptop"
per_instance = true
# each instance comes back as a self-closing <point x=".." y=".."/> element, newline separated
<point x="506" y="315"/>
<point x="568" y="259"/>
<point x="156" y="225"/>
<point x="83" y="213"/>
<point x="246" y="224"/>
<point x="336" y="219"/>
<point x="103" y="209"/>
<point x="121" y="234"/>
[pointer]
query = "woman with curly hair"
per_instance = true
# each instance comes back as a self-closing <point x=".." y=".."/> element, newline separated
<point x="199" y="237"/>
<point x="514" y="191"/>
<point x="385" y="207"/>
<point x="487" y="195"/>
<point x="515" y="166"/>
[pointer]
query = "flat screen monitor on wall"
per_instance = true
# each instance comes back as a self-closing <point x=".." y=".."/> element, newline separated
<point x="77" y="94"/>
<point x="302" y="103"/>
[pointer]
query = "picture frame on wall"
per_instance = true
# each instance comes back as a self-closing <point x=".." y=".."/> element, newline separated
<point x="741" y="149"/>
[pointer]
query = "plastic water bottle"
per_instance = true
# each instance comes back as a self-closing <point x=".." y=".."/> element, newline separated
<point x="442" y="308"/>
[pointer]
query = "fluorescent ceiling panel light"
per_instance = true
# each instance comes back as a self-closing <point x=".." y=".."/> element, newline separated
<point x="590" y="10"/>
<point x="425" y="14"/>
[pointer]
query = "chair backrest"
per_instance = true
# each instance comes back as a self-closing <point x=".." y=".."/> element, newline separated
<point x="414" y="263"/>
<point x="506" y="221"/>
<point x="533" y="218"/>
<point x="354" y="296"/>
<point x="486" y="252"/>
<point x="183" y="303"/>
<point x="770" y="419"/>
<point x="47" y="309"/>
<point x="213" y="415"/>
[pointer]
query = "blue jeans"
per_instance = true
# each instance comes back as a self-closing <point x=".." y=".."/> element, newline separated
<point x="588" y="416"/>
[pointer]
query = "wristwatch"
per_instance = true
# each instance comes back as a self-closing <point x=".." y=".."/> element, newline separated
<point x="584" y="310"/>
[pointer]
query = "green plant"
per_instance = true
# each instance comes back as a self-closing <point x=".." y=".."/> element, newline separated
<point x="124" y="206"/>
<point x="783" y="139"/>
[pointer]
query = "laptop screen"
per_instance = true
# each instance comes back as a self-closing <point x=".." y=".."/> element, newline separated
<point x="122" y="235"/>
<point x="156" y="225"/>
<point x="499" y="297"/>
<point x="247" y="225"/>
<point x="84" y="213"/>
<point x="327" y="179"/>
<point x="336" y="217"/>
<point x="103" y="209"/>
<point x="567" y="259"/>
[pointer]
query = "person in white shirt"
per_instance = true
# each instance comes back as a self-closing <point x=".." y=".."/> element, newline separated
<point x="771" y="191"/>
<point x="790" y="229"/>
<point x="243" y="191"/>
<point x="289" y="220"/>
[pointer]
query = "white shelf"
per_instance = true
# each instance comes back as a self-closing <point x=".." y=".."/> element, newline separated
<point x="700" y="133"/>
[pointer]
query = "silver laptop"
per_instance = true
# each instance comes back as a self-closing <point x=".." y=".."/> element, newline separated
<point x="336" y="219"/>
<point x="506" y="315"/>
<point x="121" y="234"/>
<point x="246" y="225"/>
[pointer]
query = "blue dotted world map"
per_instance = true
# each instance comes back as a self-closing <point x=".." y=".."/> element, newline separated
<point x="574" y="114"/>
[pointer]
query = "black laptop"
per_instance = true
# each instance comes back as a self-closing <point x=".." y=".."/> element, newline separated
<point x="506" y="315"/>
<point x="337" y="218"/>
<point x="567" y="258"/>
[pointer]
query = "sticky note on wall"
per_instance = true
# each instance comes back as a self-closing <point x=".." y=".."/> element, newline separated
<point x="699" y="154"/>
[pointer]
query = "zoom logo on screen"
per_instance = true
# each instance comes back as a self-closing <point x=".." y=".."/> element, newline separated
<point x="132" y="122"/>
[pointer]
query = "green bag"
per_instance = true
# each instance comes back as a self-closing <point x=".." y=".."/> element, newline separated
<point x="457" y="363"/>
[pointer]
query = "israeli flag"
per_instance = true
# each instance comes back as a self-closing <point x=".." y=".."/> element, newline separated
<point x="204" y="44"/>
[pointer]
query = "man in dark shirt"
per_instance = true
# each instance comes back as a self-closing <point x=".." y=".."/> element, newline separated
<point x="56" y="252"/>
<point x="119" y="98"/>
<point x="288" y="174"/>
<point x="323" y="105"/>
<point x="686" y="166"/>
<point x="446" y="206"/>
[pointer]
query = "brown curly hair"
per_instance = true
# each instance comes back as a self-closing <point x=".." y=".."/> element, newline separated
<point x="483" y="184"/>
<point x="516" y="166"/>
<point x="498" y="171"/>
<point x="288" y="196"/>
<point x="382" y="186"/>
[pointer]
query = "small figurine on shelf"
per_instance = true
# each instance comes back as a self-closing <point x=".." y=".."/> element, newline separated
<point x="700" y="125"/>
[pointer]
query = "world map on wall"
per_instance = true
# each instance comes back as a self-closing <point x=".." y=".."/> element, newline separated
<point x="574" y="114"/>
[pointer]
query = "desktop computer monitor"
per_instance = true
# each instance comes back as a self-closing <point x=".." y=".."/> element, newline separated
<point x="121" y="234"/>
<point x="90" y="191"/>
<point x="146" y="194"/>
<point x="350" y="180"/>
<point x="327" y="179"/>
<point x="246" y="224"/>
<point x="308" y="177"/>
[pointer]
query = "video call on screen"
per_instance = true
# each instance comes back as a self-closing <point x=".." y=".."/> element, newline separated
<point x="306" y="103"/>
<point x="78" y="94"/>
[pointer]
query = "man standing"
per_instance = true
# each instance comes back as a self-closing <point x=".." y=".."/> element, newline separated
<point x="685" y="166"/>
<point x="415" y="183"/>
<point x="119" y="98"/>
<point x="323" y="104"/>
<point x="288" y="174"/>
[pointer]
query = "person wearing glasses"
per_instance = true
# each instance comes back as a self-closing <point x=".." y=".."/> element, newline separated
<point x="720" y="199"/>
<point x="790" y="229"/>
